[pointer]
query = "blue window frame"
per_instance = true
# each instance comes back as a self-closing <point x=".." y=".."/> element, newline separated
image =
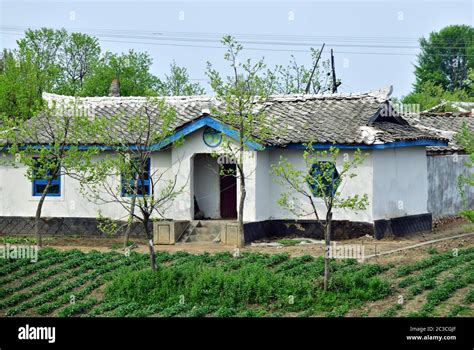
<point x="144" y="187"/>
<point x="329" y="183"/>
<point x="40" y="184"/>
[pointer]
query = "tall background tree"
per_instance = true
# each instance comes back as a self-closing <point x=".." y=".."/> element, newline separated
<point x="20" y="88"/>
<point x="178" y="83"/>
<point x="444" y="68"/>
<point x="78" y="56"/>
<point x="446" y="58"/>
<point x="72" y="64"/>
<point x="293" y="78"/>
<point x="132" y="69"/>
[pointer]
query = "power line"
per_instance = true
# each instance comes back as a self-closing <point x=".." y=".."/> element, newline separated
<point x="194" y="44"/>
<point x="258" y="39"/>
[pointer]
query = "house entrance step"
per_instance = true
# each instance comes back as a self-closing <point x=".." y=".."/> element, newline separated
<point x="205" y="231"/>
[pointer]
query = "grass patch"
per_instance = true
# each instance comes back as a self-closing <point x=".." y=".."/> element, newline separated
<point x="291" y="242"/>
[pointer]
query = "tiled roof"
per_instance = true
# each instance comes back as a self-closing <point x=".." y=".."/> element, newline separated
<point x="445" y="125"/>
<point x="349" y="118"/>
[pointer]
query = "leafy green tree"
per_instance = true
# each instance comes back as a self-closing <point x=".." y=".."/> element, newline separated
<point x="445" y="58"/>
<point x="132" y="69"/>
<point x="318" y="183"/>
<point x="77" y="57"/>
<point x="177" y="83"/>
<point x="42" y="47"/>
<point x="143" y="192"/>
<point x="46" y="60"/>
<point x="293" y="78"/>
<point x="19" y="87"/>
<point x="238" y="95"/>
<point x="48" y="145"/>
<point x="430" y="95"/>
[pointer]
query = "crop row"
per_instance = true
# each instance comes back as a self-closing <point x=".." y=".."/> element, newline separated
<point x="86" y="262"/>
<point x="426" y="263"/>
<point x="436" y="270"/>
<point x="57" y="292"/>
<point x="460" y="279"/>
<point x="10" y="265"/>
<point x="104" y="274"/>
<point x="35" y="267"/>
<point x="42" y="275"/>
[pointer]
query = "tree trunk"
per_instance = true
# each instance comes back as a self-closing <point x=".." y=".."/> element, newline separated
<point x="243" y="194"/>
<point x="327" y="259"/>
<point x="130" y="219"/>
<point x="151" y="247"/>
<point x="39" y="208"/>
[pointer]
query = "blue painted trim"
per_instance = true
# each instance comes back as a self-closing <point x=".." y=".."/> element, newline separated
<point x="42" y="182"/>
<point x="39" y="182"/>
<point x="202" y="122"/>
<point x="396" y="144"/>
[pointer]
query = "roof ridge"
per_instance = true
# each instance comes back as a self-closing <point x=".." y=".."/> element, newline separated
<point x="382" y="94"/>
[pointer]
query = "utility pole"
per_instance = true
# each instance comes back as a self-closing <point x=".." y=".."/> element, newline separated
<point x="314" y="69"/>
<point x="334" y="84"/>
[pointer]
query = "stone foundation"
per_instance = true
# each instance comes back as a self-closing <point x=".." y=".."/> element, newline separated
<point x="305" y="228"/>
<point x="25" y="226"/>
<point x="342" y="229"/>
<point x="171" y="230"/>
<point x="403" y="226"/>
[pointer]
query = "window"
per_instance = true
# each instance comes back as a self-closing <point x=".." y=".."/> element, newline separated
<point x="128" y="185"/>
<point x="324" y="179"/>
<point x="39" y="184"/>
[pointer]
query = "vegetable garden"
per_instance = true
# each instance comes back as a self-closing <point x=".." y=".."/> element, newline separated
<point x="73" y="283"/>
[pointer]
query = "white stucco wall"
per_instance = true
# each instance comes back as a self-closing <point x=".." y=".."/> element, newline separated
<point x="263" y="182"/>
<point x="400" y="182"/>
<point x="361" y="184"/>
<point x="395" y="181"/>
<point x="16" y="197"/>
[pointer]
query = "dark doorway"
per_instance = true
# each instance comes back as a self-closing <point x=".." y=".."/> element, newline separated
<point x="228" y="193"/>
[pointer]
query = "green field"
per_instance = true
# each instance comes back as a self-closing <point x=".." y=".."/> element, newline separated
<point x="73" y="283"/>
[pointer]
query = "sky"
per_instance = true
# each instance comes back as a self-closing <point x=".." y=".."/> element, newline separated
<point x="375" y="43"/>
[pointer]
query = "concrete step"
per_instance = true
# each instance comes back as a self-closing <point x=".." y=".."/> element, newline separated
<point x="204" y="230"/>
<point x="204" y="234"/>
<point x="201" y="238"/>
<point x="210" y="223"/>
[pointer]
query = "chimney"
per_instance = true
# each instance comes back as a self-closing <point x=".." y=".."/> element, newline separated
<point x="115" y="88"/>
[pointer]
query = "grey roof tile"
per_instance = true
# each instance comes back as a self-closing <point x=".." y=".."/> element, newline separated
<point x="445" y="124"/>
<point x="327" y="118"/>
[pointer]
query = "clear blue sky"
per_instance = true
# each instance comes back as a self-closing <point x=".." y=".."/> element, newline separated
<point x="358" y="31"/>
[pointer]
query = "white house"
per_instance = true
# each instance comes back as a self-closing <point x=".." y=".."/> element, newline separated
<point x="394" y="176"/>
